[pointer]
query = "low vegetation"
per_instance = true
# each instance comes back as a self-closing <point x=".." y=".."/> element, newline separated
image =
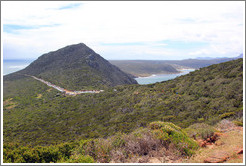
<point x="200" y="131"/>
<point x="156" y="140"/>
<point x="205" y="95"/>
<point x="163" y="141"/>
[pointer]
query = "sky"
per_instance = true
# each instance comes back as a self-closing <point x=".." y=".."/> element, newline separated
<point x="158" y="30"/>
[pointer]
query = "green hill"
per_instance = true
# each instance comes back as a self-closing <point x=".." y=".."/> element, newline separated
<point x="75" y="67"/>
<point x="34" y="113"/>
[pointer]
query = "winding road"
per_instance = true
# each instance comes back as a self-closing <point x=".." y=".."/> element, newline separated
<point x="67" y="92"/>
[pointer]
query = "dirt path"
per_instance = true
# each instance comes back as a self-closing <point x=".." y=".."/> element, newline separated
<point x="227" y="149"/>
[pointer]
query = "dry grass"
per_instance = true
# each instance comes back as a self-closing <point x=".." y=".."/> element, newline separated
<point x="48" y="90"/>
<point x="9" y="104"/>
<point x="39" y="96"/>
<point x="137" y="149"/>
<point x="225" y="125"/>
<point x="145" y="148"/>
<point x="140" y="146"/>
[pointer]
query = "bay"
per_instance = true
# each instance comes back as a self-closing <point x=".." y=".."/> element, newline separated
<point x="161" y="77"/>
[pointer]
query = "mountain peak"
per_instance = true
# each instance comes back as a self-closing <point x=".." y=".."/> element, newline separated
<point x="76" y="67"/>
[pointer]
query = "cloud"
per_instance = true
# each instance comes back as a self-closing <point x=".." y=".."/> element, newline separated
<point x="12" y="28"/>
<point x="70" y="6"/>
<point x="123" y="44"/>
<point x="200" y="52"/>
<point x="126" y="30"/>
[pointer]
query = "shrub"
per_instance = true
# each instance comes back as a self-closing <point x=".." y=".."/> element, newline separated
<point x="170" y="133"/>
<point x="38" y="154"/>
<point x="99" y="149"/>
<point x="118" y="141"/>
<point x="140" y="144"/>
<point x="227" y="115"/>
<point x="159" y="124"/>
<point x="80" y="159"/>
<point x="238" y="123"/>
<point x="200" y="131"/>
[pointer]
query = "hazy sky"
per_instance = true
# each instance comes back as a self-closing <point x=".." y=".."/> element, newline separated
<point x="124" y="30"/>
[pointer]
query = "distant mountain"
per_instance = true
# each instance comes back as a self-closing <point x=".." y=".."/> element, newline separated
<point x="148" y="67"/>
<point x="197" y="63"/>
<point x="76" y="67"/>
<point x="143" y="67"/>
<point x="240" y="56"/>
<point x="209" y="58"/>
<point x="203" y="62"/>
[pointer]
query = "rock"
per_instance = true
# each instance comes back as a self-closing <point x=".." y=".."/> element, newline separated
<point x="240" y="151"/>
<point x="201" y="143"/>
<point x="217" y="157"/>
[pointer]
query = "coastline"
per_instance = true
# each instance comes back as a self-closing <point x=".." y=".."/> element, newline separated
<point x="181" y="70"/>
<point x="159" y="77"/>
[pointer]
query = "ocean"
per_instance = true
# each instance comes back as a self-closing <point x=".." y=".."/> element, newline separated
<point x="161" y="77"/>
<point x="10" y="66"/>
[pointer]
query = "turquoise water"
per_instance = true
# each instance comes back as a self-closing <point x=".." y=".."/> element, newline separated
<point x="10" y="66"/>
<point x="161" y="77"/>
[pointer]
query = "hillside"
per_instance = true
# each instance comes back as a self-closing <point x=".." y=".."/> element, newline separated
<point x="75" y="67"/>
<point x="35" y="114"/>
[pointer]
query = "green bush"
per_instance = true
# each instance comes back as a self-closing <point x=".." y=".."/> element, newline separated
<point x="238" y="123"/>
<point x="170" y="133"/>
<point x="15" y="153"/>
<point x="80" y="159"/>
<point x="99" y="149"/>
<point x="200" y="131"/>
<point x="118" y="141"/>
<point x="227" y="115"/>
